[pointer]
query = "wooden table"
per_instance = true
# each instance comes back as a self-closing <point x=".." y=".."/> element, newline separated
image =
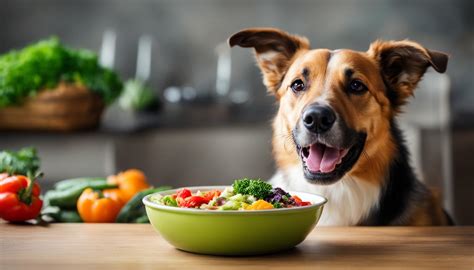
<point x="131" y="246"/>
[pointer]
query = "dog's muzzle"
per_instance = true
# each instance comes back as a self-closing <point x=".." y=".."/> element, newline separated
<point x="327" y="147"/>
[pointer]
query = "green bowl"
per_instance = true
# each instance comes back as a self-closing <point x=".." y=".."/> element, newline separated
<point x="232" y="232"/>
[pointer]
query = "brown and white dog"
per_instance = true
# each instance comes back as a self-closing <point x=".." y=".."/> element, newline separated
<point x="335" y="132"/>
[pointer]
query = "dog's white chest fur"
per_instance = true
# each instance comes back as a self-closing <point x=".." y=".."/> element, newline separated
<point x="349" y="200"/>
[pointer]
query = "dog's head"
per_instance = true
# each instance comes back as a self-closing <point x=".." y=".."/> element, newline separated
<point x="336" y="106"/>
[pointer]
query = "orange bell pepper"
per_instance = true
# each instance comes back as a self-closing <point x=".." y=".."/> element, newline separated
<point x="115" y="193"/>
<point x="92" y="207"/>
<point x="130" y="182"/>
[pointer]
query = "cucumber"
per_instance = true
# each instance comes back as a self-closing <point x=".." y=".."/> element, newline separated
<point x="142" y="219"/>
<point x="67" y="198"/>
<point x="58" y="215"/>
<point x="51" y="211"/>
<point x="134" y="209"/>
<point x="69" y="216"/>
<point x="69" y="183"/>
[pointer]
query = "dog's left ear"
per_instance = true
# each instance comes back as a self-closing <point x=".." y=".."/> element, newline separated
<point x="275" y="50"/>
<point x="403" y="64"/>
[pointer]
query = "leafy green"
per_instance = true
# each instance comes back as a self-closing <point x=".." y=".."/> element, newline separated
<point x="23" y="162"/>
<point x="169" y="200"/>
<point x="46" y="63"/>
<point x="277" y="205"/>
<point x="257" y="188"/>
<point x="231" y="205"/>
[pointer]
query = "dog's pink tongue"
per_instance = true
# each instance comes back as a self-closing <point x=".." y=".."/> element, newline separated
<point x="316" y="152"/>
<point x="330" y="159"/>
<point x="323" y="158"/>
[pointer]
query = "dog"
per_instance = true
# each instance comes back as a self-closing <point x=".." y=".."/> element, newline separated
<point x="335" y="132"/>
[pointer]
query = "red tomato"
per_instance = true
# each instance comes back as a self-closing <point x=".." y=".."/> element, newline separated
<point x="299" y="201"/>
<point x="181" y="195"/>
<point x="193" y="201"/>
<point x="211" y="195"/>
<point x="184" y="193"/>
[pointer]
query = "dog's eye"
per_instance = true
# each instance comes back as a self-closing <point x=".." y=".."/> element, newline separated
<point x="357" y="87"/>
<point x="297" y="86"/>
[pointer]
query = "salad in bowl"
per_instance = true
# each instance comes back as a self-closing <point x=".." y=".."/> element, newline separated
<point x="244" y="194"/>
<point x="248" y="218"/>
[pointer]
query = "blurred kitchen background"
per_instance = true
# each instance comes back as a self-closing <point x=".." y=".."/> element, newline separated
<point x="213" y="124"/>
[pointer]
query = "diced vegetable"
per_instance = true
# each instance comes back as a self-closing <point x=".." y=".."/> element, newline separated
<point x="170" y="201"/>
<point x="232" y="205"/>
<point x="211" y="195"/>
<point x="192" y="202"/>
<point x="231" y="199"/>
<point x="260" y="205"/>
<point x="299" y="201"/>
<point x="280" y="198"/>
<point x="184" y="193"/>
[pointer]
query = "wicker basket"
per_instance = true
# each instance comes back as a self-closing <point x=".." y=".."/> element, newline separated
<point x="68" y="107"/>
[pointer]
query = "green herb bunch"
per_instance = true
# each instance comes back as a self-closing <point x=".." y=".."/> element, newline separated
<point x="257" y="188"/>
<point x="46" y="63"/>
<point x="24" y="162"/>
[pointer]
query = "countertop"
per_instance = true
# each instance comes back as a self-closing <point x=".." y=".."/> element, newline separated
<point x="132" y="246"/>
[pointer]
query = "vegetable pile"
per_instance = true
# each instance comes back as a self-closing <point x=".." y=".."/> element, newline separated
<point x="98" y="200"/>
<point x="45" y="64"/>
<point x="117" y="198"/>
<point x="245" y="194"/>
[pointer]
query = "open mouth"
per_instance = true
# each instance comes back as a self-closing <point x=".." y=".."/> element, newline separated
<point x="327" y="164"/>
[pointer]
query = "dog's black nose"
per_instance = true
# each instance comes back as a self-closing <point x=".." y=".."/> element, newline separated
<point x="318" y="118"/>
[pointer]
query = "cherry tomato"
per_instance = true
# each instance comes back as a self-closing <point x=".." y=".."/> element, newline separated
<point x="300" y="202"/>
<point x="193" y="201"/>
<point x="184" y="193"/>
<point x="211" y="195"/>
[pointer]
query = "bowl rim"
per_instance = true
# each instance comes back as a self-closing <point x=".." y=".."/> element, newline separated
<point x="146" y="201"/>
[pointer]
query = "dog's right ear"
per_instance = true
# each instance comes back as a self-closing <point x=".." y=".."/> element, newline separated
<point x="275" y="50"/>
